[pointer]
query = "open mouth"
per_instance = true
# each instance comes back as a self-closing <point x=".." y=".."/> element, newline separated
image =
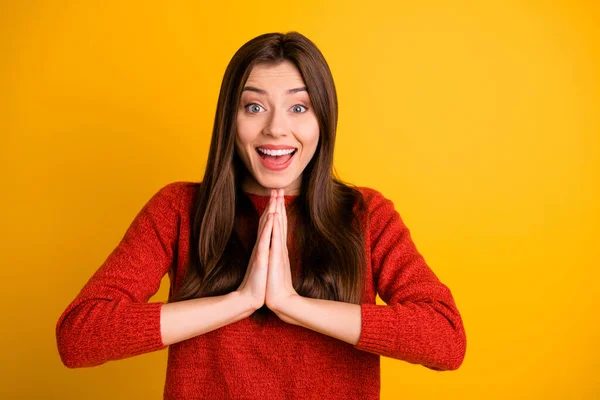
<point x="276" y="160"/>
<point x="277" y="157"/>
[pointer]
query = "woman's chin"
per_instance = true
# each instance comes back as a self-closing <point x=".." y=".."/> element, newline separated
<point x="274" y="183"/>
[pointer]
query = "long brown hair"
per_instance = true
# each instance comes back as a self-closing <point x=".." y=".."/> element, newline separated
<point x="327" y="236"/>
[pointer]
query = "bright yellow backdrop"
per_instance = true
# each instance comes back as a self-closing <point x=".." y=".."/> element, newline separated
<point x="479" y="119"/>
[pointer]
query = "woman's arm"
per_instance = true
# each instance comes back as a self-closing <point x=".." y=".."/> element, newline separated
<point x="186" y="319"/>
<point x="420" y="323"/>
<point x="333" y="318"/>
<point x="111" y="317"/>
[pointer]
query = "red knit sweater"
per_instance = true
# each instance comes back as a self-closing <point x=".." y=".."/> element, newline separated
<point x="111" y="317"/>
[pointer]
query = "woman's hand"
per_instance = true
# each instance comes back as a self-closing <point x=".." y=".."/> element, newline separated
<point x="279" y="276"/>
<point x="254" y="284"/>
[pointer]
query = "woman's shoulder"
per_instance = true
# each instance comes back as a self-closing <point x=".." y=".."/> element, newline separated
<point x="178" y="193"/>
<point x="373" y="198"/>
<point x="379" y="211"/>
<point x="181" y="186"/>
<point x="178" y="188"/>
<point x="368" y="192"/>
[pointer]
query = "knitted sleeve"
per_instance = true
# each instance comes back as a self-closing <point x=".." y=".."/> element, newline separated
<point x="420" y="323"/>
<point x="111" y="318"/>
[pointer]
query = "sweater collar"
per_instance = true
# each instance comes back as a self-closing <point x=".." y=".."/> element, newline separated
<point x="262" y="201"/>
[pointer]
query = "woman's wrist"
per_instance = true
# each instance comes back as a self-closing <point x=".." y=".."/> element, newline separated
<point x="246" y="302"/>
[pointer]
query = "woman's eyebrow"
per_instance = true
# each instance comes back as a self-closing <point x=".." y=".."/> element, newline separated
<point x="260" y="91"/>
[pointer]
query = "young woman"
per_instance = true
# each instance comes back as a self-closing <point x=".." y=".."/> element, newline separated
<point x="274" y="263"/>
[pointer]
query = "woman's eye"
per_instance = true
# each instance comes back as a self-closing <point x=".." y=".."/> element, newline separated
<point x="253" y="108"/>
<point x="298" y="108"/>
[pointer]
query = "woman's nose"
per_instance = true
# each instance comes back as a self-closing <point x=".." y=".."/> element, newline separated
<point x="277" y="124"/>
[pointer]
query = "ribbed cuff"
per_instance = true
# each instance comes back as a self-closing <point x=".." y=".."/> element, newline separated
<point x="140" y="329"/>
<point x="377" y="333"/>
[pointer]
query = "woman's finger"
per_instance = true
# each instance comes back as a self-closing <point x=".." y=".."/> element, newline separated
<point x="273" y="205"/>
<point x="284" y="226"/>
<point x="274" y="252"/>
<point x="280" y="219"/>
<point x="265" y="240"/>
<point x="263" y="218"/>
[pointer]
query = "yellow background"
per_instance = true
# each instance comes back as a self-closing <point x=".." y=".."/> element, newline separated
<point x="479" y="119"/>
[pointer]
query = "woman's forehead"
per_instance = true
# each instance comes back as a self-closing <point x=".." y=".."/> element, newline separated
<point x="282" y="74"/>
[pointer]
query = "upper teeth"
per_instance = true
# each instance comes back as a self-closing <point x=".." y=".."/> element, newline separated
<point x="275" y="152"/>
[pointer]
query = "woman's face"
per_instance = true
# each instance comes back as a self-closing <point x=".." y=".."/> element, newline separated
<point x="275" y="111"/>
